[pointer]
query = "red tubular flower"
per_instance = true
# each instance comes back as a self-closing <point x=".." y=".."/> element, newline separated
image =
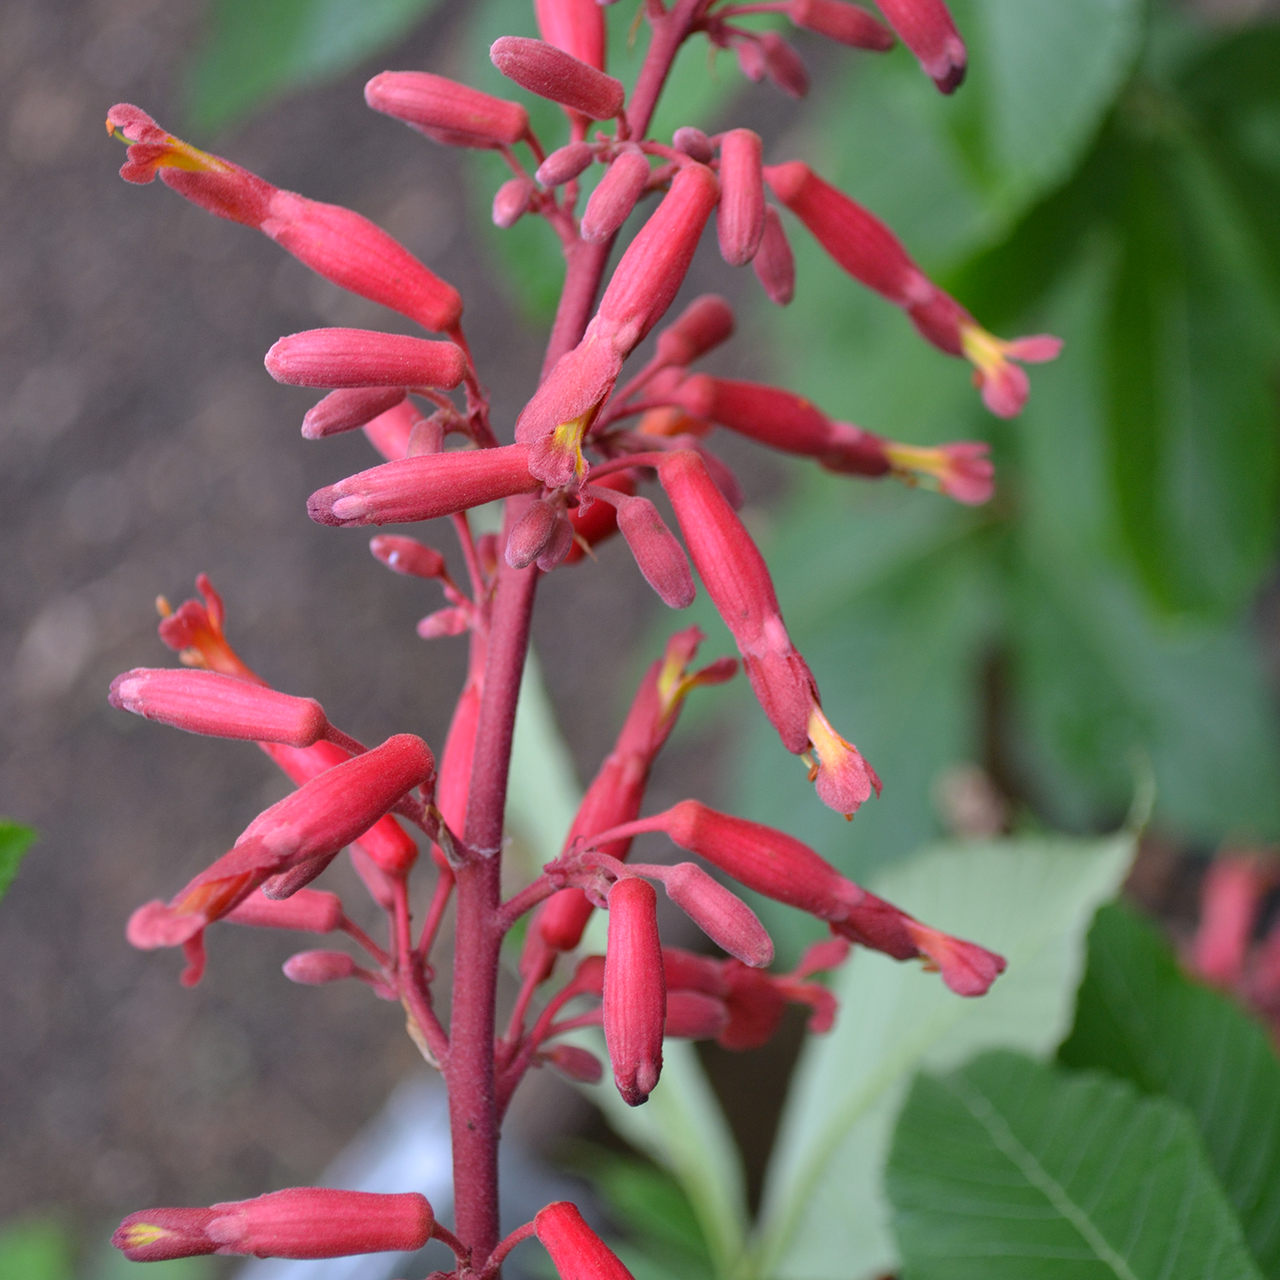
<point x="336" y="243"/>
<point x="617" y="791"/>
<point x="616" y="195"/>
<point x="848" y="23"/>
<point x="389" y="432"/>
<point x="702" y="326"/>
<point x="691" y="1015"/>
<point x="349" y="408"/>
<point x="774" y="263"/>
<point x="424" y="487"/>
<point x="737" y="580"/>
<point x="552" y="73"/>
<point x="578" y="1064"/>
<point x="740" y="217"/>
<point x="862" y="245"/>
<point x="962" y="471"/>
<point x="1230" y="900"/>
<point x="302" y="1222"/>
<point x="721" y="915"/>
<point x="576" y="26"/>
<point x="446" y="111"/>
<point x="221" y="706"/>
<point x="928" y="31"/>
<point x="364" y="358"/>
<point x="770" y="415"/>
<point x="661" y="558"/>
<point x="783" y="65"/>
<point x="319" y="968"/>
<point x="307" y="911"/>
<point x="577" y="1252"/>
<point x="635" y="995"/>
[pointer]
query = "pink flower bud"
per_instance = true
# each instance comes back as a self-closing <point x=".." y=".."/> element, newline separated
<point x="446" y="111"/>
<point x="552" y="73"/>
<point x="659" y="555"/>
<point x="558" y="544"/>
<point x="362" y="358"/>
<point x="218" y="705"/>
<point x="302" y="1222"/>
<point x="530" y="534"/>
<point x="578" y="1064"/>
<point x="316" y="968"/>
<point x="693" y="143"/>
<point x="740" y="217"/>
<point x="424" y="487"/>
<point x="721" y="915"/>
<point x="783" y="65"/>
<point x="408" y="556"/>
<point x="774" y="263"/>
<point x="635" y="995"/>
<point x="750" y="57"/>
<point x="691" y="1015"/>
<point x="336" y="243"/>
<point x="281" y="887"/>
<point x="444" y="622"/>
<point x="577" y="1252"/>
<point x="1230" y="902"/>
<point x="576" y="26"/>
<point x="613" y="199"/>
<point x="349" y="408"/>
<point x="567" y="162"/>
<point x="703" y="325"/>
<point x="511" y="202"/>
<point x="926" y="28"/>
<point x="307" y="911"/>
<point x="848" y="23"/>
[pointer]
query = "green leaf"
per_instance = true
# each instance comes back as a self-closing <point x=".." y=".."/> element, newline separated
<point x="39" y="1250"/>
<point x="15" y="840"/>
<point x="259" y="50"/>
<point x="1031" y="900"/>
<point x="1139" y="1017"/>
<point x="1008" y="1168"/>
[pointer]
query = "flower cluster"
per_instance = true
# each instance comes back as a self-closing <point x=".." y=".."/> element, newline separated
<point x="584" y="444"/>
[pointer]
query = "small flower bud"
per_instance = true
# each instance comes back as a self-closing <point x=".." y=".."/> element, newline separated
<point x="567" y="162"/>
<point x="774" y="263"/>
<point x="693" y="143"/>
<point x="558" y="544"/>
<point x="446" y="111"/>
<point x="552" y="73"/>
<point x="578" y="1064"/>
<point x="691" y="1015"/>
<point x="783" y="65"/>
<point x="362" y="358"/>
<point x="751" y="61"/>
<point x="424" y="487"/>
<point x="347" y="409"/>
<point x="613" y="199"/>
<point x="576" y="1251"/>
<point x="576" y="26"/>
<point x="926" y="28"/>
<point x="661" y="558"/>
<point x="530" y="534"/>
<point x="740" y="217"/>
<point x="1230" y="901"/>
<point x="218" y="705"/>
<point x="848" y="23"/>
<point x="408" y="556"/>
<point x="511" y="202"/>
<point x="720" y="914"/>
<point x="316" y="968"/>
<point x="444" y="622"/>
<point x="703" y="325"/>
<point x="635" y="1001"/>
<point x="307" y="911"/>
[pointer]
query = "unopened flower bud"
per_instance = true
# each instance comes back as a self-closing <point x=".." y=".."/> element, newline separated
<point x="390" y="432"/>
<point x="927" y="29"/>
<point x="613" y="199"/>
<point x="702" y="326"/>
<point x="661" y="558"/>
<point x="693" y="143"/>
<point x="424" y="487"/>
<point x="567" y="162"/>
<point x="347" y="409"/>
<point x="363" y="358"/>
<point x="774" y="263"/>
<point x="576" y="1251"/>
<point x="576" y="26"/>
<point x="530" y="534"/>
<point x="444" y="622"/>
<point x="307" y="911"/>
<point x="740" y="217"/>
<point x="635" y="1001"/>
<point x="408" y="556"/>
<point x="219" y="705"/>
<point x="446" y="111"/>
<point x="848" y="23"/>
<point x="691" y="1015"/>
<point x="720" y="914"/>
<point x="578" y="1064"/>
<point x="552" y="73"/>
<point x="511" y="202"/>
<point x="783" y="65"/>
<point x="316" y="968"/>
<point x="750" y="57"/>
<point x="558" y="544"/>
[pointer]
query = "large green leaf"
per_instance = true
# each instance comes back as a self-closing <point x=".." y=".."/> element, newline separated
<point x="1139" y="1017"/>
<point x="257" y="50"/>
<point x="15" y="840"/>
<point x="825" y="1216"/>
<point x="36" y="1250"/>
<point x="1008" y="1168"/>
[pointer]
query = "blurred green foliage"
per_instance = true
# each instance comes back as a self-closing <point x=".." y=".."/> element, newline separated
<point x="15" y="840"/>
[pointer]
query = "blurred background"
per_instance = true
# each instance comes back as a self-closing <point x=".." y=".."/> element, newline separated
<point x="1110" y="172"/>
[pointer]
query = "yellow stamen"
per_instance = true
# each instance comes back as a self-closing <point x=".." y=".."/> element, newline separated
<point x="163" y="607"/>
<point x="137" y="1235"/>
<point x="911" y="463"/>
<point x="567" y="438"/>
<point x="983" y="350"/>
